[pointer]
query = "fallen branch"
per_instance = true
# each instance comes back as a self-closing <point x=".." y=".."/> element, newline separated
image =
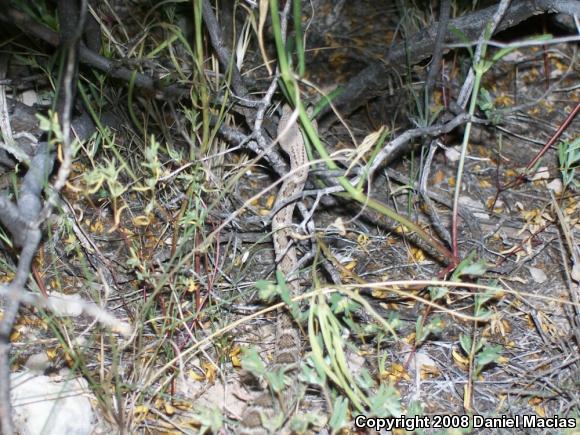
<point x="21" y="220"/>
<point x="59" y="305"/>
<point x="374" y="79"/>
<point x="24" y="218"/>
<point x="112" y="68"/>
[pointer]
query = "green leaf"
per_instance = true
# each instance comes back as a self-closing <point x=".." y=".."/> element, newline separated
<point x="338" y="419"/>
<point x="465" y="342"/>
<point x="301" y="423"/>
<point x="326" y="100"/>
<point x="415" y="408"/>
<point x="277" y="379"/>
<point x="489" y="355"/>
<point x="462" y="37"/>
<point x="283" y="289"/>
<point x="438" y="292"/>
<point x="310" y="375"/>
<point x="386" y="402"/>
<point x="481" y="313"/>
<point x="475" y="269"/>
<point x="481" y="298"/>
<point x="297" y="9"/>
<point x="364" y="379"/>
<point x="273" y="424"/>
<point x="506" y="50"/>
<point x="569" y="156"/>
<point x="209" y="418"/>
<point x="252" y="362"/>
<point x="268" y="289"/>
<point x="485" y="100"/>
<point x="341" y="304"/>
<point x="502" y="52"/>
<point x="469" y="267"/>
<point x="435" y="325"/>
<point x="420" y="332"/>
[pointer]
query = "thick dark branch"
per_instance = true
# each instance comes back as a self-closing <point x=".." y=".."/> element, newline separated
<point x="22" y="222"/>
<point x="444" y="11"/>
<point x="223" y="52"/>
<point x="374" y="79"/>
<point x="110" y="67"/>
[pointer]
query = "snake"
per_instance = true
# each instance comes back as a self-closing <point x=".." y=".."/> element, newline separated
<point x="288" y="343"/>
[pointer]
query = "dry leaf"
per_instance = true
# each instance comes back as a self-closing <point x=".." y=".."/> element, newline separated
<point x="461" y="361"/>
<point x="438" y="177"/>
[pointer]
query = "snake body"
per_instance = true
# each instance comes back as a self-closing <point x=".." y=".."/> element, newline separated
<point x="288" y="343"/>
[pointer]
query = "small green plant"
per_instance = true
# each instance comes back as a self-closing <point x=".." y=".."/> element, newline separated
<point x="422" y="330"/>
<point x="386" y="402"/>
<point x="270" y="291"/>
<point x="468" y="267"/>
<point x="339" y="417"/>
<point x="487" y="106"/>
<point x="482" y="354"/>
<point x="210" y="419"/>
<point x="569" y="156"/>
<point x="481" y="65"/>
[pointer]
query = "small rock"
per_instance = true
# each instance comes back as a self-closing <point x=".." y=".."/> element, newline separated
<point x="29" y="97"/>
<point x="452" y="154"/>
<point x="37" y="362"/>
<point x="538" y="275"/>
<point x="555" y="186"/>
<point x="43" y="405"/>
<point x="541" y="174"/>
<point x="475" y="206"/>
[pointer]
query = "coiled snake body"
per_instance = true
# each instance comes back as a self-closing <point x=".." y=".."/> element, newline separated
<point x="288" y="343"/>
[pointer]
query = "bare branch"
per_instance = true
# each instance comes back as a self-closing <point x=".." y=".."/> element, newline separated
<point x="374" y="79"/>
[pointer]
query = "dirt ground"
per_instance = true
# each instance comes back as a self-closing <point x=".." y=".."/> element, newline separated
<point x="182" y="259"/>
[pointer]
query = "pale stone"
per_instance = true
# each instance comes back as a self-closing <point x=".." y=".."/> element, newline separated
<point x="51" y="405"/>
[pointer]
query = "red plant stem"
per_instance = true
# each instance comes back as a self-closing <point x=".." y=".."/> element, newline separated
<point x="197" y="268"/>
<point x="520" y="246"/>
<point x="555" y="137"/>
<point x="545" y="56"/>
<point x="39" y="280"/>
<point x="538" y="156"/>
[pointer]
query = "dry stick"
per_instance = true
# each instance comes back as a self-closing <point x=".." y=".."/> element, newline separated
<point x="265" y="102"/>
<point x="462" y="100"/>
<point x="21" y="220"/>
<point x="466" y="91"/>
<point x="444" y="12"/>
<point x="9" y="143"/>
<point x="521" y="177"/>
<point x="88" y="57"/>
<point x="393" y="148"/>
<point x="240" y="139"/>
<point x="567" y="235"/>
<point x="424" y="192"/>
<point x="419" y="46"/>
<point x="256" y="142"/>
<point x="58" y="304"/>
<point x="223" y="53"/>
<point x="387" y="154"/>
<point x="65" y="100"/>
<point x="114" y="70"/>
<point x="24" y="219"/>
<point x="551" y="142"/>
